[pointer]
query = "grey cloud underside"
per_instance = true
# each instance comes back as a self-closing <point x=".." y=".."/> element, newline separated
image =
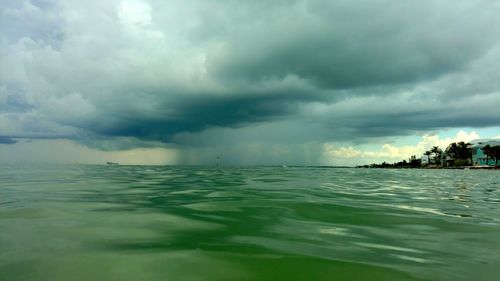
<point x="403" y="124"/>
<point x="347" y="45"/>
<point x="339" y="63"/>
<point x="181" y="70"/>
<point x="196" y="113"/>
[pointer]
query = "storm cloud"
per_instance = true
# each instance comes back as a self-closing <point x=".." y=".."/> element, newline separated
<point x="199" y="73"/>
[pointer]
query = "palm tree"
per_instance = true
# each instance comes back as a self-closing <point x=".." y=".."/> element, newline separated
<point x="452" y="151"/>
<point x="464" y="151"/>
<point x="496" y="153"/>
<point x="493" y="152"/>
<point x="428" y="154"/>
<point x="487" y="151"/>
<point x="437" y="154"/>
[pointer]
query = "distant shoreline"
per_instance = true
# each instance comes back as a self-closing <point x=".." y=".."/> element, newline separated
<point x="437" y="168"/>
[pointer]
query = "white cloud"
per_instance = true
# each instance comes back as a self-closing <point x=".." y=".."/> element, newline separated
<point x="391" y="152"/>
<point x="135" y="12"/>
<point x="434" y="140"/>
<point x="342" y="152"/>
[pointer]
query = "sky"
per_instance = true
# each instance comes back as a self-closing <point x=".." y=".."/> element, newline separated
<point x="318" y="82"/>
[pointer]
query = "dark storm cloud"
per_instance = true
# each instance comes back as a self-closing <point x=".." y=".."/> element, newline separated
<point x="401" y="114"/>
<point x="339" y="44"/>
<point x="171" y="71"/>
<point x="199" y="112"/>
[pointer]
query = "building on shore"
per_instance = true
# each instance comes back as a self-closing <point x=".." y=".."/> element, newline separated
<point x="447" y="159"/>
<point x="479" y="158"/>
<point x="430" y="159"/>
<point x="425" y="160"/>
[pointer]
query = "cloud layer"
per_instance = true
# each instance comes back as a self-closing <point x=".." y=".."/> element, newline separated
<point x="202" y="73"/>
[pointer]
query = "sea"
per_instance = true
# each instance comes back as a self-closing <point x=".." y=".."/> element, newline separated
<point x="142" y="223"/>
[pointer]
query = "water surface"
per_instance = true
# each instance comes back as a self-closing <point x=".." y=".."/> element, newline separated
<point x="83" y="222"/>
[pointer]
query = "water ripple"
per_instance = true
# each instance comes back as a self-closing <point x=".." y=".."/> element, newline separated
<point x="400" y="224"/>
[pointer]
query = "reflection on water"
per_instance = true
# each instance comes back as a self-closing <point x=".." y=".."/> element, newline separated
<point x="265" y="223"/>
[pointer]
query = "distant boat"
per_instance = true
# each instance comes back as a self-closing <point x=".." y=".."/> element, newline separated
<point x="112" y="163"/>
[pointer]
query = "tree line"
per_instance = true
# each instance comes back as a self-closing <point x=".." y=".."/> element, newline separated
<point x="457" y="154"/>
<point x="493" y="152"/>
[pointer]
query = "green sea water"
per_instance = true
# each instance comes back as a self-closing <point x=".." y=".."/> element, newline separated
<point x="84" y="222"/>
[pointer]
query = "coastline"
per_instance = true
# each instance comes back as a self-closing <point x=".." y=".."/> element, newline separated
<point x="432" y="168"/>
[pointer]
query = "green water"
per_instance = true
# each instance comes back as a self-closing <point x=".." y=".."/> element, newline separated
<point x="172" y="223"/>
